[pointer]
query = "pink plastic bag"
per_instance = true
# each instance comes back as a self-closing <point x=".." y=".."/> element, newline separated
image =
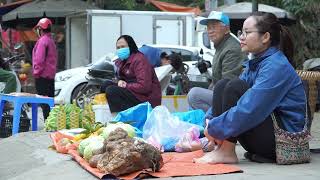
<point x="190" y="141"/>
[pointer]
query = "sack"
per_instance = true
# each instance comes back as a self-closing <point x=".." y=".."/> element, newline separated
<point x="291" y="148"/>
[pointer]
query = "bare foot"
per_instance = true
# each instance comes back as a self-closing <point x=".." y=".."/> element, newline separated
<point x="225" y="154"/>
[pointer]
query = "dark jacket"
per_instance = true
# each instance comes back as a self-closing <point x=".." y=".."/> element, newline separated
<point x="227" y="61"/>
<point x="141" y="78"/>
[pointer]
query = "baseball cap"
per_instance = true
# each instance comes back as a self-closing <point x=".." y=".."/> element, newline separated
<point x="215" y="15"/>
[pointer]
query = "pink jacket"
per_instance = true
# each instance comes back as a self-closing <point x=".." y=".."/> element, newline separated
<point x="44" y="57"/>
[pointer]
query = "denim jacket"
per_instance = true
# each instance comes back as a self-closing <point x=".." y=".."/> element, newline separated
<point x="274" y="85"/>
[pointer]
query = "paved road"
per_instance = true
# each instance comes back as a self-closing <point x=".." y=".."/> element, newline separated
<point x="25" y="156"/>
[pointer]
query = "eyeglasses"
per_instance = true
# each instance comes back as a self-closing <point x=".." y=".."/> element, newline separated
<point x="245" y="33"/>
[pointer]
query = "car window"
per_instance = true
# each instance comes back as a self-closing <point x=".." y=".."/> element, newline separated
<point x="186" y="54"/>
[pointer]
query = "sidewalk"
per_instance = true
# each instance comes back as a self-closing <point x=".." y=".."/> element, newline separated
<point x="253" y="171"/>
<point x="26" y="157"/>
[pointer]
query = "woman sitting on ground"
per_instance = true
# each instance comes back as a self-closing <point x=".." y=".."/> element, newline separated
<point x="268" y="84"/>
<point x="137" y="80"/>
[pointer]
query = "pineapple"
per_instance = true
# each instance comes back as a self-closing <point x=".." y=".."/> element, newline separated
<point x="88" y="113"/>
<point x="61" y="118"/>
<point x="74" y="116"/>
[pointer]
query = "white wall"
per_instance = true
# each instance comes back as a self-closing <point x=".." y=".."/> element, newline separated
<point x="79" y="42"/>
<point x="139" y="27"/>
<point x="104" y="34"/>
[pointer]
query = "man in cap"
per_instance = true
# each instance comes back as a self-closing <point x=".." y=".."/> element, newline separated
<point x="44" y="61"/>
<point x="227" y="60"/>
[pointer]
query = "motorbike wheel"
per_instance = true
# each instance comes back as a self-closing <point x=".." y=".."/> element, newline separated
<point x="86" y="94"/>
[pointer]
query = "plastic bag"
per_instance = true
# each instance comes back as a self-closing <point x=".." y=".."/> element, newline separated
<point x="163" y="128"/>
<point x="189" y="141"/>
<point x="135" y="116"/>
<point x="56" y="138"/>
<point x="193" y="117"/>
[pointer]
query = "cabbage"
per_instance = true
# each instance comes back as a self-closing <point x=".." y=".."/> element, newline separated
<point x="94" y="148"/>
<point x="111" y="127"/>
<point x="86" y="142"/>
<point x="83" y="144"/>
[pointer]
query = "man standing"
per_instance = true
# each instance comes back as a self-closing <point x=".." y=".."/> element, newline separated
<point x="44" y="60"/>
<point x="226" y="62"/>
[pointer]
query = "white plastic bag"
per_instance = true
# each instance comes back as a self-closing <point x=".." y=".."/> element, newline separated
<point x="165" y="129"/>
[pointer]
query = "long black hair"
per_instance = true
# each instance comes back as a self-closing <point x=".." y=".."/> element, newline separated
<point x="279" y="34"/>
<point x="132" y="45"/>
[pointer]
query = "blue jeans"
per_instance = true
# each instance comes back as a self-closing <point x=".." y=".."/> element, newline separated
<point x="200" y="98"/>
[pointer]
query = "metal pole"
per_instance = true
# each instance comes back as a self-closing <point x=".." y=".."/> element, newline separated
<point x="254" y="5"/>
<point x="211" y="5"/>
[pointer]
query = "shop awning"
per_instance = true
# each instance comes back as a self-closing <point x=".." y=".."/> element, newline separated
<point x="11" y="6"/>
<point x="27" y="15"/>
<point x="48" y="8"/>
<point x="164" y="6"/>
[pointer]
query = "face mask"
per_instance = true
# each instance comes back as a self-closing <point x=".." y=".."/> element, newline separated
<point x="38" y="32"/>
<point x="123" y="53"/>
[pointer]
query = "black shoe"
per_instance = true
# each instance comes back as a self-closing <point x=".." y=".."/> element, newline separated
<point x="317" y="150"/>
<point x="257" y="158"/>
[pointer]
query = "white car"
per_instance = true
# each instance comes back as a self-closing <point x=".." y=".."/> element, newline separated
<point x="69" y="82"/>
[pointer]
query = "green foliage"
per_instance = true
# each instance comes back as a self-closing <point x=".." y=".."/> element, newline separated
<point x="306" y="32"/>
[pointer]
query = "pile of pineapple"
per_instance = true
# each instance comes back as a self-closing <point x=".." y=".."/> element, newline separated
<point x="70" y="116"/>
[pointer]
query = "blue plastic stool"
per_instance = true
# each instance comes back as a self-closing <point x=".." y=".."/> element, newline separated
<point x="18" y="101"/>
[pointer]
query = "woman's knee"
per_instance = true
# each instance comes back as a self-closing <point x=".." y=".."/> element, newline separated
<point x="236" y="85"/>
<point x="111" y="90"/>
<point x="193" y="94"/>
<point x="220" y="85"/>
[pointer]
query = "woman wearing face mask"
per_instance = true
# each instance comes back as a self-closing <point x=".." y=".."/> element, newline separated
<point x="269" y="84"/>
<point x="137" y="80"/>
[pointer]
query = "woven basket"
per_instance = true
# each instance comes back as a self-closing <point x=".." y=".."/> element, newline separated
<point x="311" y="77"/>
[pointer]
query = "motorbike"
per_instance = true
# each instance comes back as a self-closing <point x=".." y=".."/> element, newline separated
<point x="180" y="81"/>
<point x="99" y="75"/>
<point x="13" y="64"/>
<point x="103" y="73"/>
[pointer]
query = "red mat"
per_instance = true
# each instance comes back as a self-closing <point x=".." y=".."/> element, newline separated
<point x="175" y="164"/>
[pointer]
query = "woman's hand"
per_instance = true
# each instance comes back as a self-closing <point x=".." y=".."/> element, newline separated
<point x="122" y="84"/>
<point x="210" y="138"/>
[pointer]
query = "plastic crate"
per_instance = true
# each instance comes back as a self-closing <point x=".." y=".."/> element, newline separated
<point x="6" y="125"/>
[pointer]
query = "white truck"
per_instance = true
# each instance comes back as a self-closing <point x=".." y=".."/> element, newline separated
<point x="93" y="33"/>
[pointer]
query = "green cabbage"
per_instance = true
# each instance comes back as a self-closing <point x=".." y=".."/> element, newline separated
<point x="83" y="144"/>
<point x="86" y="142"/>
<point x="94" y="148"/>
<point x="111" y="127"/>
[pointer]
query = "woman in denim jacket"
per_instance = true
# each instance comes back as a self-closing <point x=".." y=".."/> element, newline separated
<point x="268" y="83"/>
